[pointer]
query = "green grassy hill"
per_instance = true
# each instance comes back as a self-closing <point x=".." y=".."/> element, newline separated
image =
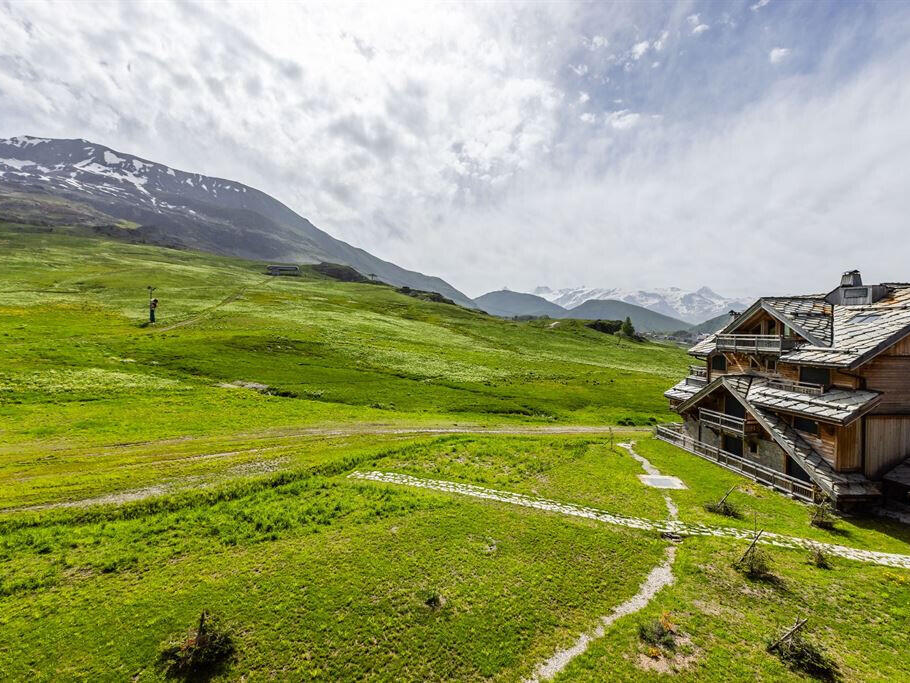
<point x="148" y="473"/>
<point x="72" y="314"/>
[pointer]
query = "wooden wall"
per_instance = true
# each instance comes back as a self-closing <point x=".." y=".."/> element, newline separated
<point x="849" y="447"/>
<point x="889" y="374"/>
<point x="887" y="443"/>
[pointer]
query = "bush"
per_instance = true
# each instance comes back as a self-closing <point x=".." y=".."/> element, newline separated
<point x="820" y="560"/>
<point x="659" y="632"/>
<point x="756" y="564"/>
<point x="822" y="516"/>
<point x="203" y="652"/>
<point x="804" y="656"/>
<point x="725" y="508"/>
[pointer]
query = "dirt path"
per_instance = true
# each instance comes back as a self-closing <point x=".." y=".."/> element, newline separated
<point x="671" y="527"/>
<point x="658" y="578"/>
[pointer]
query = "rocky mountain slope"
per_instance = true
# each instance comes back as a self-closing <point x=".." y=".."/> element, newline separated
<point x="175" y="208"/>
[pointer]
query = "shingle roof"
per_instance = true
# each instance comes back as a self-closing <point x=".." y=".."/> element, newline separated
<point x="811" y="313"/>
<point x="683" y="391"/>
<point x="836" y="405"/>
<point x="848" y="335"/>
<point x="835" y="484"/>
<point x="860" y="331"/>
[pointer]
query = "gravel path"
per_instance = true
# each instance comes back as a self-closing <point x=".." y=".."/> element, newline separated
<point x="669" y="526"/>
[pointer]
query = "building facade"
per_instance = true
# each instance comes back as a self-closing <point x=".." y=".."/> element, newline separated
<point x="808" y="394"/>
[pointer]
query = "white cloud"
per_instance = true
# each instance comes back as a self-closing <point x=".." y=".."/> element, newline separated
<point x="654" y="65"/>
<point x="623" y="119"/>
<point x="778" y="54"/>
<point x="639" y="49"/>
<point x="758" y="5"/>
<point x="696" y="24"/>
<point x="470" y="158"/>
<point x="598" y="42"/>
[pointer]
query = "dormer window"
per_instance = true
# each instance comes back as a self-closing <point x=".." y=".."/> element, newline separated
<point x="811" y="375"/>
<point x="719" y="362"/>
<point x="855" y="296"/>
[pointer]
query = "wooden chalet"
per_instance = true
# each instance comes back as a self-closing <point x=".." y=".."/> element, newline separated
<point x="807" y="394"/>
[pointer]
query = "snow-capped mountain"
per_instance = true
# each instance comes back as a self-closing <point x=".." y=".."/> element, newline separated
<point x="693" y="307"/>
<point x="174" y="208"/>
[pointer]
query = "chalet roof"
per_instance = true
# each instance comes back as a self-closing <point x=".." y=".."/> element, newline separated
<point x="839" y="336"/>
<point x="811" y="314"/>
<point x="704" y="347"/>
<point x="737" y="384"/>
<point x="682" y="391"/>
<point x="860" y="332"/>
<point x="842" y="406"/>
<point x="835" y="484"/>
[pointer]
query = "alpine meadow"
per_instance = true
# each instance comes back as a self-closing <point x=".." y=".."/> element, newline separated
<point x="516" y="342"/>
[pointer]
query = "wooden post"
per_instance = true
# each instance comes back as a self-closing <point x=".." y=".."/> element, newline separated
<point x="751" y="545"/>
<point x="789" y="634"/>
<point x="721" y="501"/>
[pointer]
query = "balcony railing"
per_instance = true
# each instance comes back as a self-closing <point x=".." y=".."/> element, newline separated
<point x="778" y="481"/>
<point x="754" y="343"/>
<point x="798" y="387"/>
<point x="729" y="423"/>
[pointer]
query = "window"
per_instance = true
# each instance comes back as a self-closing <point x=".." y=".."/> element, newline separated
<point x="753" y="447"/>
<point x="771" y="365"/>
<point x="805" y="425"/>
<point x="719" y="362"/>
<point x="815" y="375"/>
<point x="856" y="296"/>
<point x="865" y="318"/>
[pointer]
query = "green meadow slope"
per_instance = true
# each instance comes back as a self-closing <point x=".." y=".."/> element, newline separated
<point x="71" y="321"/>
<point x="148" y="473"/>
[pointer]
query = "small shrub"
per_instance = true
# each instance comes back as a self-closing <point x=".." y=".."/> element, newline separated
<point x="820" y="560"/>
<point x="822" y="516"/>
<point x="725" y="508"/>
<point x="804" y="656"/>
<point x="203" y="652"/>
<point x="659" y="632"/>
<point x="756" y="564"/>
<point x="434" y="601"/>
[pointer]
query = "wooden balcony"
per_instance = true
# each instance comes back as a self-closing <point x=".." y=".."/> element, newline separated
<point x="698" y="371"/>
<point x="728" y="423"/>
<point x="754" y="343"/>
<point x="778" y="481"/>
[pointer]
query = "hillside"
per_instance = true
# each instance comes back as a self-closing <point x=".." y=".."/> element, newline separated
<point x="507" y="304"/>
<point x="712" y="325"/>
<point x="643" y="319"/>
<point x="64" y="182"/>
<point x="310" y="461"/>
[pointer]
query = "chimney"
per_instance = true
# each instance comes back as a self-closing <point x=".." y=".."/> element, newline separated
<point x="852" y="292"/>
<point x="851" y="278"/>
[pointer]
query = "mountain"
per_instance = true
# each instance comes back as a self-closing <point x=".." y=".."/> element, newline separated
<point x="643" y="319"/>
<point x="162" y="205"/>
<point x="692" y="307"/>
<point x="508" y="304"/>
<point x="712" y="325"/>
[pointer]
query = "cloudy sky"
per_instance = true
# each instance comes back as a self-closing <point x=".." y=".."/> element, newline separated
<point x="755" y="147"/>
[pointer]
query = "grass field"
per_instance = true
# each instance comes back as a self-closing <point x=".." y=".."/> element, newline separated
<point x="143" y="479"/>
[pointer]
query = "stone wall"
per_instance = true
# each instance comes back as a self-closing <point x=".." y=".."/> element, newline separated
<point x="769" y="454"/>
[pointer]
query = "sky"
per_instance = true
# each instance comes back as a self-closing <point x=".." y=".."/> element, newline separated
<point x="757" y="147"/>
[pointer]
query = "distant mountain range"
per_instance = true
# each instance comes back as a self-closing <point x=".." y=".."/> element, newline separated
<point x="162" y="205"/>
<point x="691" y="307"/>
<point x="508" y="304"/>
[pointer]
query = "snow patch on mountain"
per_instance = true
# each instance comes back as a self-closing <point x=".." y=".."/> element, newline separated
<point x="691" y="306"/>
